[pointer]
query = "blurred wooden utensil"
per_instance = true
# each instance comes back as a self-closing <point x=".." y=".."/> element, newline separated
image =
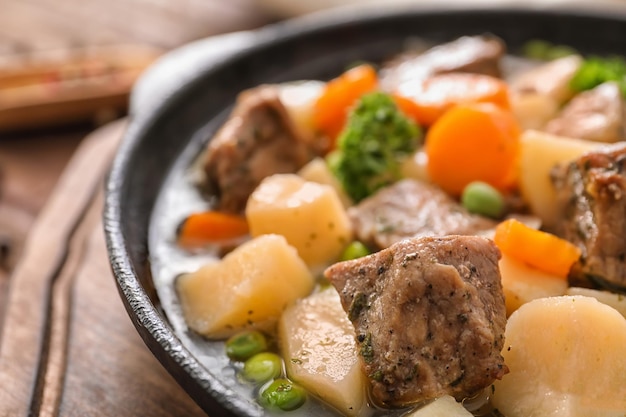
<point x="64" y="86"/>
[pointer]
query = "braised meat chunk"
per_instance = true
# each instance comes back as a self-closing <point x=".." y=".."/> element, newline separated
<point x="258" y="140"/>
<point x="475" y="54"/>
<point x="597" y="115"/>
<point x="429" y="317"/>
<point x="592" y="196"/>
<point x="412" y="208"/>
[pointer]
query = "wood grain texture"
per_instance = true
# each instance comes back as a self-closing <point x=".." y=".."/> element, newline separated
<point x="31" y="165"/>
<point x="67" y="346"/>
<point x="28" y="318"/>
<point x="110" y="371"/>
<point x="31" y="25"/>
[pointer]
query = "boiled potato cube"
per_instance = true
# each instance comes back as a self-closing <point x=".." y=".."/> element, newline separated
<point x="551" y="79"/>
<point x="617" y="301"/>
<point x="566" y="358"/>
<point x="317" y="342"/>
<point x="249" y="288"/>
<point x="540" y="152"/>
<point x="317" y="171"/>
<point x="522" y="284"/>
<point x="309" y="215"/>
<point x="299" y="99"/>
<point x="415" y="166"/>
<point x="533" y="110"/>
<point x="445" y="406"/>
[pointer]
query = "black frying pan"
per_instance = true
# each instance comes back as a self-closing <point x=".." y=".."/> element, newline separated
<point x="175" y="128"/>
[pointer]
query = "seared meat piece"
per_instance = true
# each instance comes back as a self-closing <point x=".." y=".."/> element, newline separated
<point x="592" y="194"/>
<point x="412" y="208"/>
<point x="476" y="54"/>
<point x="258" y="140"/>
<point x="429" y="317"/>
<point x="597" y="114"/>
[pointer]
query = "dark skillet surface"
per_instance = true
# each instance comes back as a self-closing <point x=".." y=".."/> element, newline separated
<point x="170" y="132"/>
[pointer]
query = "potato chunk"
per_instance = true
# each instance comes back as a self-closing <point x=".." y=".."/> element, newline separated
<point x="533" y="110"/>
<point x="566" y="359"/>
<point x="540" y="152"/>
<point x="416" y="166"/>
<point x="299" y="99"/>
<point x="445" y="406"/>
<point x="617" y="301"/>
<point x="522" y="284"/>
<point x="551" y="79"/>
<point x="317" y="171"/>
<point x="317" y="341"/>
<point x="249" y="288"/>
<point x="309" y="215"/>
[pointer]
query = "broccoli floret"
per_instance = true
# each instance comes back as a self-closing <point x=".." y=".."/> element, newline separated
<point x="377" y="135"/>
<point x="595" y="71"/>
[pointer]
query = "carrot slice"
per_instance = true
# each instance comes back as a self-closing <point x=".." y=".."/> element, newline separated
<point x="211" y="227"/>
<point x="427" y="100"/>
<point x="541" y="250"/>
<point x="473" y="142"/>
<point x="340" y="94"/>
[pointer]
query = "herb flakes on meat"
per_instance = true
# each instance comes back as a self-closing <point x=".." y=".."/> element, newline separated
<point x="434" y="321"/>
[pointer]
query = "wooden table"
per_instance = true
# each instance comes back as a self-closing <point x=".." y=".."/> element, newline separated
<point x="67" y="346"/>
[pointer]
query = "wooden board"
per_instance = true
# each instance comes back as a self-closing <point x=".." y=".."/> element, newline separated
<point x="67" y="61"/>
<point x="31" y="25"/>
<point x="67" y="346"/>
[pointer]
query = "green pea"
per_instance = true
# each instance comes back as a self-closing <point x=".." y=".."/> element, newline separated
<point x="245" y="345"/>
<point x="354" y="250"/>
<point x="481" y="198"/>
<point x="262" y="367"/>
<point x="283" y="394"/>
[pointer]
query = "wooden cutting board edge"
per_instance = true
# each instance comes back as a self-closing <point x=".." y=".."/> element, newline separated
<point x="34" y="326"/>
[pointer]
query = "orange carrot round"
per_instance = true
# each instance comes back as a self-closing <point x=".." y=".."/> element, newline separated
<point x="340" y="94"/>
<point x="473" y="142"/>
<point x="427" y="100"/>
<point x="211" y="227"/>
<point x="540" y="250"/>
